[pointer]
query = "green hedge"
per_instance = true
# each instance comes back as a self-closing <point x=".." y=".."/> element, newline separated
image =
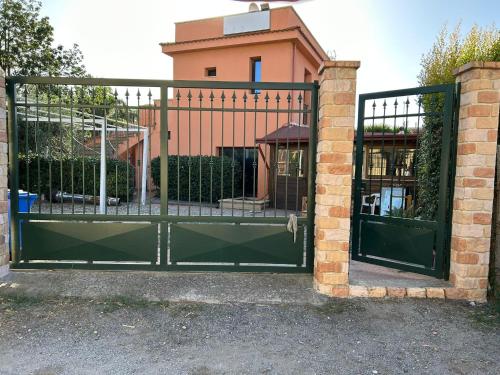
<point x="428" y="159"/>
<point x="116" y="176"/>
<point x="210" y="167"/>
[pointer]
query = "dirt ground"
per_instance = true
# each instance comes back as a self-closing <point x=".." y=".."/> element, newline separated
<point x="68" y="335"/>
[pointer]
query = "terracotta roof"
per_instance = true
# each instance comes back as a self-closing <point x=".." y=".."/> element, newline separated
<point x="231" y="36"/>
<point x="295" y="133"/>
<point x="292" y="133"/>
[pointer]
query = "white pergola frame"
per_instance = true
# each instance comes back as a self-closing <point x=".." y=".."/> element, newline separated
<point x="95" y="123"/>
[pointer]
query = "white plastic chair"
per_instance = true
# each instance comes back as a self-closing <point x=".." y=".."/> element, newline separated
<point x="372" y="201"/>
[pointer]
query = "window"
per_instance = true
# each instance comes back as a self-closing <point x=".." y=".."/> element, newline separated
<point x="245" y="158"/>
<point x="387" y="163"/>
<point x="211" y="72"/>
<point x="256" y="72"/>
<point x="290" y="162"/>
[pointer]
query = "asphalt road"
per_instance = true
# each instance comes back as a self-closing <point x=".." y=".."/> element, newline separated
<point x="41" y="335"/>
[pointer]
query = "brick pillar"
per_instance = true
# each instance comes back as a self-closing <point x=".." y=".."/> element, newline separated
<point x="475" y="178"/>
<point x="4" y="226"/>
<point x="334" y="176"/>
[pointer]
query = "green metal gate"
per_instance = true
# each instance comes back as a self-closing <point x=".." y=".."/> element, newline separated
<point x="95" y="153"/>
<point x="403" y="190"/>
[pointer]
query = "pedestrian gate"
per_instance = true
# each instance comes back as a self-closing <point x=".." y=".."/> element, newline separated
<point x="185" y="182"/>
<point x="403" y="190"/>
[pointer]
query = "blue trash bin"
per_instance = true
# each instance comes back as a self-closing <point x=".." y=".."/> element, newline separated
<point x="26" y="201"/>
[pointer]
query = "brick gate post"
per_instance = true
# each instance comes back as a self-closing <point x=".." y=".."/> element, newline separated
<point x="475" y="178"/>
<point x="4" y="223"/>
<point x="337" y="98"/>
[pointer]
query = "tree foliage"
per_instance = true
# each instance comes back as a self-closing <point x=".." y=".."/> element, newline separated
<point x="26" y="43"/>
<point x="449" y="52"/>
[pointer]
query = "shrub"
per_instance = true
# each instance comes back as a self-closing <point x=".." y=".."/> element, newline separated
<point x="116" y="176"/>
<point x="382" y="128"/>
<point x="450" y="51"/>
<point x="211" y="171"/>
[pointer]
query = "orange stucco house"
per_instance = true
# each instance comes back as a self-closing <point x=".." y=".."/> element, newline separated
<point x="223" y="49"/>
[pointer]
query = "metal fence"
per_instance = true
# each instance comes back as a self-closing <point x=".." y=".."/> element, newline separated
<point x="160" y="152"/>
<point x="405" y="162"/>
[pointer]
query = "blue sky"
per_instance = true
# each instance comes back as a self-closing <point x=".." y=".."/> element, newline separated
<point x="120" y="38"/>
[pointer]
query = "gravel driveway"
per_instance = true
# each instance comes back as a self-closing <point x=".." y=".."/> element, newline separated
<point x="133" y="336"/>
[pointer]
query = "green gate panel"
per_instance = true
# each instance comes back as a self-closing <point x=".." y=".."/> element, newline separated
<point x="235" y="244"/>
<point x="403" y="243"/>
<point x="90" y="241"/>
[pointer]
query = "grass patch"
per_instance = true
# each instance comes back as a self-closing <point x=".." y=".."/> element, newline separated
<point x="337" y="306"/>
<point x="487" y="317"/>
<point x="185" y="309"/>
<point x="20" y="300"/>
<point x="119" y="302"/>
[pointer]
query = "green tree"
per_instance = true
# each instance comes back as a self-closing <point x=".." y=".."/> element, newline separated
<point x="26" y="43"/>
<point x="450" y="51"/>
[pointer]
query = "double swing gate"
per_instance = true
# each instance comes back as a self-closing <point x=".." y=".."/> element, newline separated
<point x="114" y="178"/>
<point x="404" y="178"/>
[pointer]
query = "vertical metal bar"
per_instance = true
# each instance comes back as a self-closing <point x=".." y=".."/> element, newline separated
<point x="358" y="179"/>
<point x="72" y="154"/>
<point x="232" y="163"/>
<point x="415" y="155"/>
<point x="103" y="207"/>
<point x="140" y="187"/>
<point x="223" y="97"/>
<point x="245" y="97"/>
<point x="444" y="181"/>
<point x="61" y="141"/>
<point x="26" y="146"/>
<point x="37" y="150"/>
<point x="164" y="150"/>
<point x="211" y="147"/>
<point x="164" y="172"/>
<point x="49" y="156"/>
<point x="94" y="140"/>
<point x="393" y="158"/>
<point x="189" y="96"/>
<point x="13" y="171"/>
<point x="451" y="187"/>
<point x="127" y="116"/>
<point x="153" y="114"/>
<point x="254" y="162"/>
<point x="370" y="164"/>
<point x="116" y="148"/>
<point x="266" y="171"/>
<point x="276" y="149"/>
<point x="382" y="154"/>
<point x="289" y="99"/>
<point x="178" y="96"/>
<point x="402" y="172"/>
<point x="200" y="97"/>
<point x="299" y="154"/>
<point x="82" y="153"/>
<point x="311" y="177"/>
